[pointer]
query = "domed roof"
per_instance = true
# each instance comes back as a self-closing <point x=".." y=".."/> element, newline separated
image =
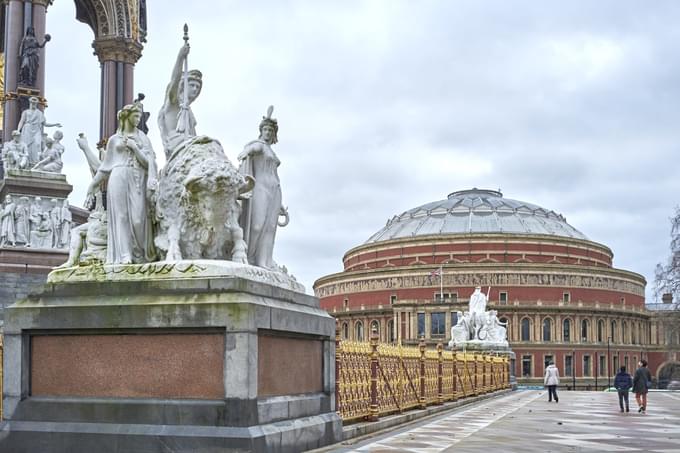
<point x="476" y="211"/>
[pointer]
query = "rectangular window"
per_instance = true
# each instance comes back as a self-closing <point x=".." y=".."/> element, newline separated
<point x="393" y="299"/>
<point x="602" y="369"/>
<point x="547" y="359"/>
<point x="587" y="372"/>
<point x="454" y="318"/>
<point x="421" y="325"/>
<point x="566" y="297"/>
<point x="445" y="297"/>
<point x="526" y="366"/>
<point x="568" y="365"/>
<point x="615" y="364"/>
<point x="345" y="303"/>
<point x="625" y="363"/>
<point x="437" y="324"/>
<point x="503" y="298"/>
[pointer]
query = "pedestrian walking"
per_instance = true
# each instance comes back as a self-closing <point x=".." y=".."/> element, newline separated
<point x="623" y="382"/>
<point x="641" y="384"/>
<point x="552" y="380"/>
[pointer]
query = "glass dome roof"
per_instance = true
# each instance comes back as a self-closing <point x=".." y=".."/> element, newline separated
<point x="476" y="211"/>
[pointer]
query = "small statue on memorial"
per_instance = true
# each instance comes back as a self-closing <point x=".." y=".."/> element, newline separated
<point x="21" y="215"/>
<point x="15" y="153"/>
<point x="129" y="166"/>
<point x="478" y="325"/>
<point x="143" y="126"/>
<point x="176" y="121"/>
<point x="29" y="54"/>
<point x="65" y="227"/>
<point x="55" y="222"/>
<point x="7" y="225"/>
<point x="31" y="126"/>
<point x="35" y="214"/>
<point x="41" y="237"/>
<point x="57" y="137"/>
<point x="260" y="215"/>
<point x="51" y="159"/>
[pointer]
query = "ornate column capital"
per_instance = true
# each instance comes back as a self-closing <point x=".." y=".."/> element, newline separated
<point x="114" y="48"/>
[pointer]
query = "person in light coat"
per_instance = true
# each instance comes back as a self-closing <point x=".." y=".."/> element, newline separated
<point x="552" y="380"/>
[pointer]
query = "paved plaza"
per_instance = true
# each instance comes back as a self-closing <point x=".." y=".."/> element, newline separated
<point x="524" y="421"/>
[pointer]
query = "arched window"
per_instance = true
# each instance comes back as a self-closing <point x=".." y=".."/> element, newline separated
<point x="584" y="330"/>
<point x="359" y="331"/>
<point x="633" y="333"/>
<point x="547" y="329"/>
<point x="612" y="332"/>
<point x="624" y="332"/>
<point x="600" y="331"/>
<point x="345" y="331"/>
<point x="566" y="331"/>
<point x="526" y="330"/>
<point x="390" y="331"/>
<point x="375" y="328"/>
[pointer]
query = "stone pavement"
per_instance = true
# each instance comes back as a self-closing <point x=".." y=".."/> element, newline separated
<point x="524" y="421"/>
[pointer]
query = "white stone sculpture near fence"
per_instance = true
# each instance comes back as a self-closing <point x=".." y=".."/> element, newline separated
<point x="478" y="327"/>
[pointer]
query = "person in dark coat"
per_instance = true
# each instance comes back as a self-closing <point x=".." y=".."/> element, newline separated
<point x="641" y="383"/>
<point x="623" y="382"/>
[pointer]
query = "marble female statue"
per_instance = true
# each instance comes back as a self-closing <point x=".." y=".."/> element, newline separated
<point x="65" y="226"/>
<point x="50" y="160"/>
<point x="15" y="153"/>
<point x="7" y="225"/>
<point x="129" y="166"/>
<point x="34" y="218"/>
<point x="260" y="215"/>
<point x="31" y="126"/>
<point x="22" y="221"/>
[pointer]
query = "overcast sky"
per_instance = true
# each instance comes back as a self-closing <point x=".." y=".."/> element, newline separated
<point x="387" y="105"/>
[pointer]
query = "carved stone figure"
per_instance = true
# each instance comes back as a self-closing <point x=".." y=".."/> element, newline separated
<point x="66" y="219"/>
<point x="7" y="226"/>
<point x="15" y="153"/>
<point x="55" y="221"/>
<point x="197" y="205"/>
<point x="29" y="53"/>
<point x="478" y="325"/>
<point x="21" y="216"/>
<point x="50" y="160"/>
<point x="129" y="166"/>
<point x="31" y="126"/>
<point x="143" y="126"/>
<point x="35" y="213"/>
<point x="41" y="237"/>
<point x="57" y="137"/>
<point x="262" y="210"/>
<point x="176" y="121"/>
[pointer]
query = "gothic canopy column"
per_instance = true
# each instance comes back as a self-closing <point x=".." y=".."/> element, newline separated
<point x="119" y="28"/>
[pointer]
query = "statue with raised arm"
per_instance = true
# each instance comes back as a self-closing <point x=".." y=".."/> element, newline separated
<point x="29" y="55"/>
<point x="261" y="211"/>
<point x="176" y="121"/>
<point x="31" y="125"/>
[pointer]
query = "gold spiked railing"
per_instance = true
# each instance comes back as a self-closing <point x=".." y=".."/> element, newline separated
<point x="375" y="379"/>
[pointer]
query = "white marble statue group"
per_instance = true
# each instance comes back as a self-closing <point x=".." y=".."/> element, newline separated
<point x="198" y="206"/>
<point x="35" y="224"/>
<point x="478" y="325"/>
<point x="31" y="148"/>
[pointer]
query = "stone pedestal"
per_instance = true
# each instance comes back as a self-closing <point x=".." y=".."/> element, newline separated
<point x="168" y="357"/>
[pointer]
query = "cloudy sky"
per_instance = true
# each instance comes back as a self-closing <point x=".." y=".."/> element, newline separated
<point x="387" y="105"/>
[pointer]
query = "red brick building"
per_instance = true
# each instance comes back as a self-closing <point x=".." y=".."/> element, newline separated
<point x="558" y="291"/>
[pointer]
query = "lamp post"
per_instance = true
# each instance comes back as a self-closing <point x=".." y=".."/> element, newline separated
<point x="609" y="364"/>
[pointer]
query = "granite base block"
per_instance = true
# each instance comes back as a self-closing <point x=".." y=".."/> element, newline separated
<point x="186" y="365"/>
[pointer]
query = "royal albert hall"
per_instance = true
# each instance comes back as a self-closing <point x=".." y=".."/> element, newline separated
<point x="557" y="290"/>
